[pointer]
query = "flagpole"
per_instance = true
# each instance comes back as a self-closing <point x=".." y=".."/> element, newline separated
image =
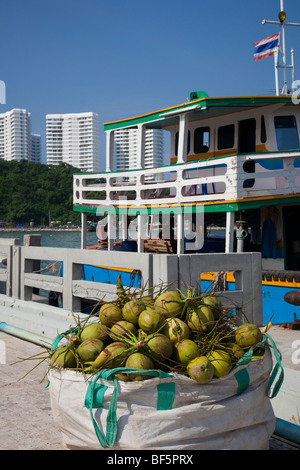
<point x="282" y="24"/>
<point x="284" y="91"/>
<point x="276" y="71"/>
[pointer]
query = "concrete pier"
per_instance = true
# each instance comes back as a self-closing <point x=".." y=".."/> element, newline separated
<point x="25" y="413"/>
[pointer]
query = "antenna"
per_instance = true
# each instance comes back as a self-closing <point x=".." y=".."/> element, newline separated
<point x="284" y="66"/>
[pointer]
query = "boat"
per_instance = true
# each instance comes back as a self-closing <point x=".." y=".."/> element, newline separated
<point x="234" y="164"/>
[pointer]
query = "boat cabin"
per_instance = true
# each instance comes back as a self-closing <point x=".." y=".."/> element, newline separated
<point x="230" y="182"/>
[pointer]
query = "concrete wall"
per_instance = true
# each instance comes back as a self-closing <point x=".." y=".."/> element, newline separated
<point x="20" y="276"/>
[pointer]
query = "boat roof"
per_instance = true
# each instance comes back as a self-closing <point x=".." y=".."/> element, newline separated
<point x="200" y="106"/>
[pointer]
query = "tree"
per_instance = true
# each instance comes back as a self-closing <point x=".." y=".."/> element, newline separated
<point x="29" y="191"/>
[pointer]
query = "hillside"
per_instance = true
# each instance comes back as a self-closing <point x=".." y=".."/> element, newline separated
<point x="30" y="192"/>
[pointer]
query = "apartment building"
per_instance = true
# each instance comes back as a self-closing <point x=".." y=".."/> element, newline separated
<point x="15" y="135"/>
<point x="125" y="144"/>
<point x="36" y="148"/>
<point x="74" y="139"/>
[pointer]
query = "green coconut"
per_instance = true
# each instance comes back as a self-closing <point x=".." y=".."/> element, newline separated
<point x="214" y="303"/>
<point x="112" y="356"/>
<point x="110" y="314"/>
<point x="185" y="350"/>
<point x="248" y="335"/>
<point x="90" y="349"/>
<point x="160" y="347"/>
<point x="93" y="331"/>
<point x="149" y="320"/>
<point x="200" y="369"/>
<point x="123" y="327"/>
<point x="138" y="360"/>
<point x="176" y="330"/>
<point x="169" y="304"/>
<point x="201" y="319"/>
<point x="63" y="357"/>
<point x="235" y="350"/>
<point x="147" y="300"/>
<point x="221" y="362"/>
<point x="132" y="310"/>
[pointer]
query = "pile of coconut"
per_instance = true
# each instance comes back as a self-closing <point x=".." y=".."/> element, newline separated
<point x="190" y="334"/>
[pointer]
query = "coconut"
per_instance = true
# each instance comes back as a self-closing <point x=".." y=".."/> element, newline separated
<point x="147" y="300"/>
<point x="93" y="331"/>
<point x="200" y="319"/>
<point x="132" y="309"/>
<point x="139" y="361"/>
<point x="112" y="356"/>
<point x="90" y="349"/>
<point x="64" y="357"/>
<point x="235" y="350"/>
<point x="123" y="327"/>
<point x="110" y="314"/>
<point x="169" y="304"/>
<point x="176" y="330"/>
<point x="221" y="362"/>
<point x="160" y="347"/>
<point x="200" y="369"/>
<point x="248" y="335"/>
<point x="214" y="303"/>
<point x="185" y="350"/>
<point x="149" y="320"/>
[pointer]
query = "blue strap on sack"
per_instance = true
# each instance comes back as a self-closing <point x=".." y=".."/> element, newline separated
<point x="95" y="395"/>
<point x="59" y="337"/>
<point x="277" y="370"/>
<point x="242" y="375"/>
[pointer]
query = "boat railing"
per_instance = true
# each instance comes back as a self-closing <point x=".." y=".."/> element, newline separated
<point x="230" y="178"/>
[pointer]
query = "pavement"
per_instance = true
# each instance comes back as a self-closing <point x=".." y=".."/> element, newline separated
<point x="25" y="412"/>
<point x="26" y="421"/>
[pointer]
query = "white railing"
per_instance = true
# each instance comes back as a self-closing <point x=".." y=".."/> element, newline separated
<point x="154" y="269"/>
<point x="9" y="249"/>
<point x="222" y="179"/>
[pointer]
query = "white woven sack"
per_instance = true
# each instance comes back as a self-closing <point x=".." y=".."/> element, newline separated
<point x="154" y="414"/>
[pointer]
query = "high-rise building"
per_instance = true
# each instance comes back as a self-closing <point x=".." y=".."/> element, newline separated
<point x="15" y="135"/>
<point x="74" y="139"/>
<point x="36" y="148"/>
<point x="126" y="148"/>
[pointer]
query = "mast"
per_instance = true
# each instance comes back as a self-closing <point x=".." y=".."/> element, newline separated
<point x="284" y="66"/>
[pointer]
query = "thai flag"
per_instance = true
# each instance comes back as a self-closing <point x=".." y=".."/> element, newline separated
<point x="266" y="47"/>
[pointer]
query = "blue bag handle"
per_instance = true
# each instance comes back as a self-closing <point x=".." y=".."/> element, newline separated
<point x="242" y="375"/>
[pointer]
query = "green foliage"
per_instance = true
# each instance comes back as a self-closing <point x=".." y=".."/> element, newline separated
<point x="30" y="191"/>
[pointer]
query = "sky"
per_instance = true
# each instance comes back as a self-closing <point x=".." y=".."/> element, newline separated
<point x="122" y="58"/>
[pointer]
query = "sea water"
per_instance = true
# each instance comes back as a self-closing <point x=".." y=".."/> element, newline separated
<point x="55" y="238"/>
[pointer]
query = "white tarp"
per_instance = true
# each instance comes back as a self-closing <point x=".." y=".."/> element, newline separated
<point x="170" y="412"/>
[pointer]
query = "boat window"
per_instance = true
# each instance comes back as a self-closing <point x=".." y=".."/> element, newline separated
<point x="247" y="136"/>
<point x="226" y="137"/>
<point x="286" y="132"/>
<point x="176" y="142"/>
<point x="201" y="139"/>
<point x="263" y="132"/>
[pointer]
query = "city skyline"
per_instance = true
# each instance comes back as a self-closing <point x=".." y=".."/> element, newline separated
<point x="70" y="57"/>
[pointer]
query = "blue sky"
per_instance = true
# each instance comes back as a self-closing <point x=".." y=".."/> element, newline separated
<point x="121" y="58"/>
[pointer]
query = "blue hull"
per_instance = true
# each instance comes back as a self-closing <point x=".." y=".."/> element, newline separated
<point x="274" y="306"/>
